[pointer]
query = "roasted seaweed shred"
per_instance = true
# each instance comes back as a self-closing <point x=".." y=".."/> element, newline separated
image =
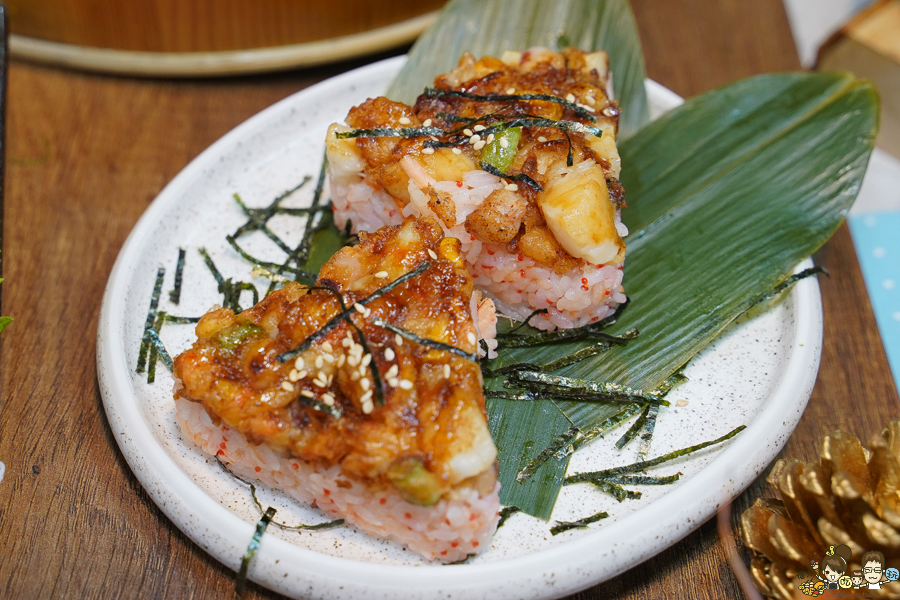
<point x="175" y="294"/>
<point x="230" y="290"/>
<point x="521" y="177"/>
<point x="551" y="451"/>
<point x="150" y="320"/>
<point x="402" y="132"/>
<point x="788" y="282"/>
<point x="409" y="335"/>
<point x="335" y="320"/>
<point x="634" y="429"/>
<point x="647" y="432"/>
<point x="252" y="547"/>
<point x="580" y="111"/>
<point x="562" y="526"/>
<point x="505" y="513"/>
<point x="646" y="464"/>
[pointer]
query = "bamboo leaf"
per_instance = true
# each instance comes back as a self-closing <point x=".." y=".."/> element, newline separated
<point x="4" y="321"/>
<point x="726" y="195"/>
<point x="490" y="27"/>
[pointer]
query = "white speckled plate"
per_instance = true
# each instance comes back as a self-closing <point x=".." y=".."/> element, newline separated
<point x="759" y="373"/>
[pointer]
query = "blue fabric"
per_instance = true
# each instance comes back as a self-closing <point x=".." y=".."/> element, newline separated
<point x="876" y="237"/>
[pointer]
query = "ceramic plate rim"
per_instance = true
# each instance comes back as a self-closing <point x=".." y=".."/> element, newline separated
<point x="564" y="569"/>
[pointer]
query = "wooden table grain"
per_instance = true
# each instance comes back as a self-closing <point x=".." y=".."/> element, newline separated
<point x="86" y="155"/>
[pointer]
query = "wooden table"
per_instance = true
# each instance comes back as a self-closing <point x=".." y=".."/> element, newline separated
<point x="87" y="154"/>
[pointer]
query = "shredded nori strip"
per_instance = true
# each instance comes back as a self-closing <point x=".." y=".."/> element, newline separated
<point x="643" y="479"/>
<point x="151" y="319"/>
<point x="647" y="432"/>
<point x="259" y="217"/>
<point x="409" y="335"/>
<point x="335" y="320"/>
<point x="510" y="340"/>
<point x="559" y="363"/>
<point x="581" y="112"/>
<point x="550" y="451"/>
<point x="279" y="268"/>
<point x="633" y="430"/>
<point x="509" y="395"/>
<point x="567" y="387"/>
<point x="160" y="349"/>
<point x="570" y="158"/>
<point x="283" y="526"/>
<point x="505" y="513"/>
<point x="522" y="177"/>
<point x="258" y="223"/>
<point x="791" y="281"/>
<point x="252" y="547"/>
<point x="403" y="132"/>
<point x="175" y="294"/>
<point x="580" y="524"/>
<point x="334" y="411"/>
<point x="646" y="464"/>
<point x="615" y="490"/>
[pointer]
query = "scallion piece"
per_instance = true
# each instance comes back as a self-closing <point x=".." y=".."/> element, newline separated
<point x="497" y="154"/>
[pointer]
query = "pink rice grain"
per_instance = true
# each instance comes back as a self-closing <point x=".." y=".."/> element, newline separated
<point x="461" y="523"/>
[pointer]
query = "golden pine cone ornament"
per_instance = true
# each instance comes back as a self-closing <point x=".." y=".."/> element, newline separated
<point x="851" y="497"/>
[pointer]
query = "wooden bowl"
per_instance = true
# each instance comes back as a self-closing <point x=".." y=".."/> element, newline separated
<point x="209" y="37"/>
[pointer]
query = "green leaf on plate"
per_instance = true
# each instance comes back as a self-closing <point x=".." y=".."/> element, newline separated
<point x="490" y="27"/>
<point x="727" y="194"/>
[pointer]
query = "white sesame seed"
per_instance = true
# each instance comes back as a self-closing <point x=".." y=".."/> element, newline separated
<point x="327" y="347"/>
<point x="393" y="382"/>
<point x="328" y="358"/>
<point x="490" y="138"/>
<point x="359" y="308"/>
<point x="471" y="337"/>
<point x="428" y="151"/>
<point x="432" y="255"/>
<point x="434" y="138"/>
<point x="367" y="313"/>
<point x="366" y="360"/>
<point x="330" y="379"/>
<point x="355" y="376"/>
<point x="404" y="121"/>
<point x="294" y="375"/>
<point x="406" y="384"/>
<point x="381" y="274"/>
<point x="587" y="108"/>
<point x="389" y="354"/>
<point x="511" y="187"/>
<point x="542" y="139"/>
<point x="341" y="359"/>
<point x="319" y="383"/>
<point x="504" y="143"/>
<point x="287" y="386"/>
<point x="427" y="123"/>
<point x="590" y="99"/>
<point x="328" y="399"/>
<point x="446" y="371"/>
<point x="479" y="128"/>
<point x="569" y="98"/>
<point x="356" y="350"/>
<point x="510" y="91"/>
<point x="353" y="360"/>
<point x="467" y="132"/>
<point x="608" y="112"/>
<point x="320" y="362"/>
<point x="367" y="395"/>
<point x="480" y="145"/>
<point x="364" y="384"/>
<point x="302" y="374"/>
<point x="299" y="364"/>
<point x="475" y="139"/>
<point x="368" y="407"/>
<point x="346" y="342"/>
<point x="392" y="372"/>
<point x="307" y="394"/>
<point x="456" y="151"/>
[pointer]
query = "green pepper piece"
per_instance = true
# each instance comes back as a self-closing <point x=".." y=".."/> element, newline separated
<point x="230" y="337"/>
<point x="496" y="155"/>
